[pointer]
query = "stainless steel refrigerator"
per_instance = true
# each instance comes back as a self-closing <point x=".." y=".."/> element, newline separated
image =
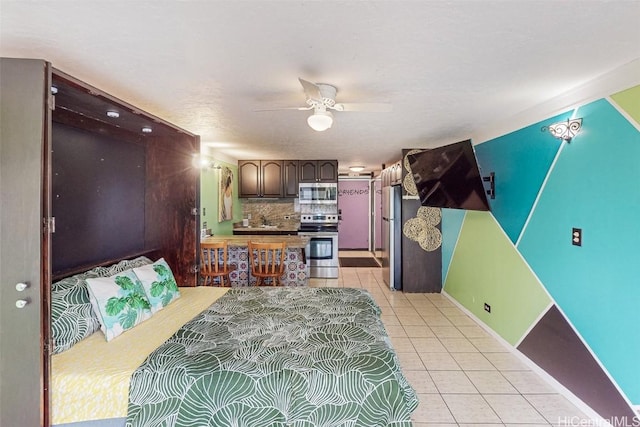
<point x="392" y="236"/>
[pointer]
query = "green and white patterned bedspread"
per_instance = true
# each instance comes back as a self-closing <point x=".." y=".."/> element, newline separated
<point x="258" y="357"/>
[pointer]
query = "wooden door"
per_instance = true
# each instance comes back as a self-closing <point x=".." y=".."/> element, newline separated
<point x="290" y="178"/>
<point x="271" y="178"/>
<point x="327" y="171"/>
<point x="249" y="178"/>
<point x="25" y="130"/>
<point x="308" y="170"/>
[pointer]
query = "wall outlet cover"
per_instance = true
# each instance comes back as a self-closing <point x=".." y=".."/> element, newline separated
<point x="576" y="236"/>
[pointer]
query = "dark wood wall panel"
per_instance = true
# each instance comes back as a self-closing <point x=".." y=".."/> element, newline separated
<point x="172" y="185"/>
<point x="98" y="187"/>
<point x="554" y="346"/>
<point x="421" y="270"/>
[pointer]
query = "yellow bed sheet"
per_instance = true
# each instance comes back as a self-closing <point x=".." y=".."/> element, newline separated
<point x="90" y="381"/>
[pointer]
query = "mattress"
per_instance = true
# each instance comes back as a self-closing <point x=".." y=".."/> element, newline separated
<point x="281" y="356"/>
<point x="90" y="381"/>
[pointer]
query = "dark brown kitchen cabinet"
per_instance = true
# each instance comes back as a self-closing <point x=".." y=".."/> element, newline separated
<point x="290" y="178"/>
<point x="318" y="170"/>
<point x="260" y="178"/>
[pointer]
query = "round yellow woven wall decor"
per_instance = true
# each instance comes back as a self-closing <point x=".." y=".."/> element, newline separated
<point x="406" y="159"/>
<point x="415" y="229"/>
<point x="432" y="216"/>
<point x="431" y="240"/>
<point x="419" y="230"/>
<point x="409" y="185"/>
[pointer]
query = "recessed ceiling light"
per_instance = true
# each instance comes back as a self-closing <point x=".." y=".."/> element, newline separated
<point x="113" y="114"/>
<point x="356" y="168"/>
<point x="147" y="129"/>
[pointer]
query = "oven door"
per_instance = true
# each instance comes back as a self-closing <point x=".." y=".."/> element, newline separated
<point x="322" y="254"/>
<point x="321" y="249"/>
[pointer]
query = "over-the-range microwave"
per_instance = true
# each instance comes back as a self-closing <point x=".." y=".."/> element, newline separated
<point x="323" y="193"/>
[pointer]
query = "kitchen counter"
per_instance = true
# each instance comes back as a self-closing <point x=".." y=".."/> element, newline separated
<point x="276" y="231"/>
<point x="241" y="241"/>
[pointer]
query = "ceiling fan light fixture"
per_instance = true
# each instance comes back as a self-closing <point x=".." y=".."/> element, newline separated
<point x="320" y="120"/>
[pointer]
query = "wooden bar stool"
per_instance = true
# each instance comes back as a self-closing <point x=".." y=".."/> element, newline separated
<point x="267" y="262"/>
<point x="214" y="264"/>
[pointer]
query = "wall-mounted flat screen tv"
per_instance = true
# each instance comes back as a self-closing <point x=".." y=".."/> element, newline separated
<point x="449" y="177"/>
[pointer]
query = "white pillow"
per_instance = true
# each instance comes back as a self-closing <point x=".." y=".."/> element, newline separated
<point x="158" y="283"/>
<point x="119" y="302"/>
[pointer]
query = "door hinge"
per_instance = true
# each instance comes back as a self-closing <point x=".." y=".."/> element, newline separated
<point x="49" y="225"/>
<point x="52" y="102"/>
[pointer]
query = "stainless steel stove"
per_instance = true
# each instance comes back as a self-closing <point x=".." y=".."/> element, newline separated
<point x="322" y="249"/>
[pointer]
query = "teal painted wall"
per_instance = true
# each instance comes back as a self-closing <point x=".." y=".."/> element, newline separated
<point x="520" y="161"/>
<point x="209" y="201"/>
<point x="451" y="225"/>
<point x="592" y="183"/>
<point x="595" y="185"/>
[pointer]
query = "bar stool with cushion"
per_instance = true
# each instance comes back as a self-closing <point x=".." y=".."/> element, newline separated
<point x="214" y="264"/>
<point x="267" y="261"/>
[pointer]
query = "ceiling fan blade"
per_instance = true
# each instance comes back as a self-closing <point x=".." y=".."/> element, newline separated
<point x="286" y="108"/>
<point x="364" y="107"/>
<point x="312" y="91"/>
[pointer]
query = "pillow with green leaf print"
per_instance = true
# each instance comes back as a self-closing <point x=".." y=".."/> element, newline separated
<point x="158" y="283"/>
<point x="119" y="301"/>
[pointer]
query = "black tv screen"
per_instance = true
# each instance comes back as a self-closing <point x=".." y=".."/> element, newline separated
<point x="449" y="177"/>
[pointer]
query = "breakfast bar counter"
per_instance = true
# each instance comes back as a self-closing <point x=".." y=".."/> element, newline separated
<point x="296" y="270"/>
<point x="242" y="240"/>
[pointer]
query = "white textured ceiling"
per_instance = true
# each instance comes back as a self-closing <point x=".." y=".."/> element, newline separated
<point x="448" y="67"/>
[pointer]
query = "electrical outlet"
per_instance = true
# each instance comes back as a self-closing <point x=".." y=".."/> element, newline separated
<point x="576" y="236"/>
<point x="487" y="308"/>
<point x="248" y="216"/>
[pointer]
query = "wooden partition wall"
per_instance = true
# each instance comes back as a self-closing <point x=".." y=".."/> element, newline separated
<point x="119" y="192"/>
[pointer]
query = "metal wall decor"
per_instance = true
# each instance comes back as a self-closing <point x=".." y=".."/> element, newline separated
<point x="564" y="130"/>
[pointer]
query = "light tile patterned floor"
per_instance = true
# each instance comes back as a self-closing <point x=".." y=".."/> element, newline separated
<point x="462" y="375"/>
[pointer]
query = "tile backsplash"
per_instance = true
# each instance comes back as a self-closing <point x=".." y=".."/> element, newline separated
<point x="274" y="211"/>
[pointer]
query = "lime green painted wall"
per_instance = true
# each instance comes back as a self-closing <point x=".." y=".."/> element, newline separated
<point x="209" y="200"/>
<point x="486" y="267"/>
<point x="628" y="101"/>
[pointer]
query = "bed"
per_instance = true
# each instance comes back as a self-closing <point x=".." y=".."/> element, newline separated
<point x="284" y="356"/>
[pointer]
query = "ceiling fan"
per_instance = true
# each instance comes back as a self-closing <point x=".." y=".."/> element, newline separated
<point x="321" y="98"/>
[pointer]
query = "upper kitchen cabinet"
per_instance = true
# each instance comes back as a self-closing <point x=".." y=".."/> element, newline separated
<point x="318" y="170"/>
<point x="260" y="178"/>
<point x="290" y="178"/>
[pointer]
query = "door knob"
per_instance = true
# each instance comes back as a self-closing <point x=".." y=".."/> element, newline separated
<point x="21" y="286"/>
<point x="21" y="303"/>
